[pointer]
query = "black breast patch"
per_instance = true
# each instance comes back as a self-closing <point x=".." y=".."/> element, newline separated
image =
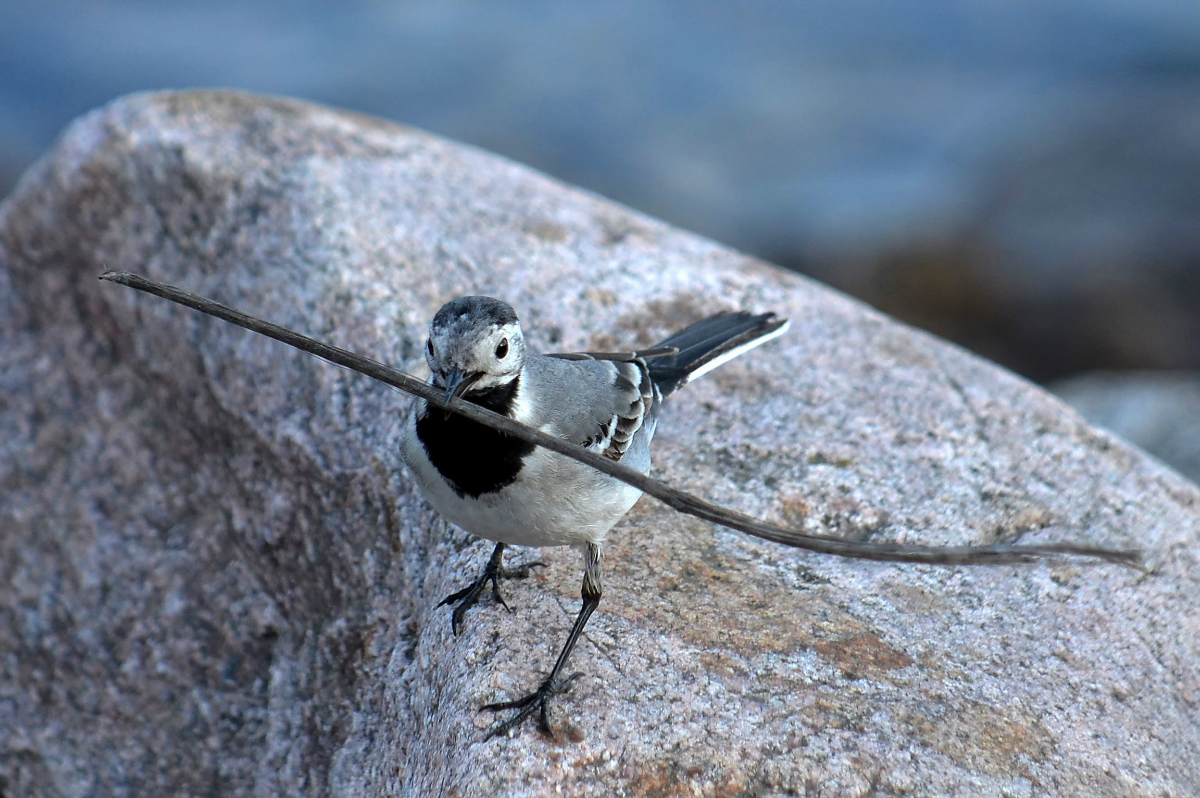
<point x="473" y="458"/>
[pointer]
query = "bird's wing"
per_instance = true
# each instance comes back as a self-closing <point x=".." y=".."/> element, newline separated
<point x="599" y="403"/>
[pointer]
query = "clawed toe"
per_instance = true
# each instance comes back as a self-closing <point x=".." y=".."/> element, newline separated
<point x="493" y="572"/>
<point x="536" y="702"/>
<point x="466" y="598"/>
<point x="456" y="596"/>
<point x="522" y="571"/>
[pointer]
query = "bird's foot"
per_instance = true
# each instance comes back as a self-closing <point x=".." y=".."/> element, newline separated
<point x="536" y="702"/>
<point x="466" y="598"/>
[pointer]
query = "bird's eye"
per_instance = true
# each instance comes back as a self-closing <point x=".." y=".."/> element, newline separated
<point x="429" y="346"/>
<point x="502" y="349"/>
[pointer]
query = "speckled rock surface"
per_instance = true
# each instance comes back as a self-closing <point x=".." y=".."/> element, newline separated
<point x="217" y="578"/>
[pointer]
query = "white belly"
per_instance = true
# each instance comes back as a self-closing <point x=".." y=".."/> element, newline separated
<point x="555" y="500"/>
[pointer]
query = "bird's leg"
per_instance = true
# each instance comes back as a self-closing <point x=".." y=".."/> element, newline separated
<point x="493" y="572"/>
<point x="539" y="700"/>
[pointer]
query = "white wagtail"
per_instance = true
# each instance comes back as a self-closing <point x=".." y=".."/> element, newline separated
<point x="509" y="491"/>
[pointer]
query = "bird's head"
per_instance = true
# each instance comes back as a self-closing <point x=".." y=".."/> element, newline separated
<point x="475" y="344"/>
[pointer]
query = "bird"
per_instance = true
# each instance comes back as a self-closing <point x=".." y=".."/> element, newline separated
<point x="501" y="488"/>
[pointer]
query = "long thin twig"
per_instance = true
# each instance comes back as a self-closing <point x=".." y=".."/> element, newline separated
<point x="677" y="499"/>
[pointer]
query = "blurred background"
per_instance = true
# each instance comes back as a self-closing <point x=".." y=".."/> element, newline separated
<point x="1019" y="176"/>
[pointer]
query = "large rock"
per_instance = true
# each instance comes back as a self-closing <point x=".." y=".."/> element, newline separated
<point x="218" y="579"/>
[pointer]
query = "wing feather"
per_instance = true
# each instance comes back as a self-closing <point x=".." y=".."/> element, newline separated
<point x="616" y="405"/>
<point x="599" y="403"/>
<point x="634" y="395"/>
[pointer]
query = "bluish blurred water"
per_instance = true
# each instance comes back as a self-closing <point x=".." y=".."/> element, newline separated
<point x="1033" y="143"/>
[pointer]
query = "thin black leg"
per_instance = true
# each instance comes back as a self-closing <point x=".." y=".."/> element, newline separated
<point x="539" y="700"/>
<point x="493" y="572"/>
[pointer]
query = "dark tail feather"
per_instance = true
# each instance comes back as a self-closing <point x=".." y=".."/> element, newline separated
<point x="709" y="343"/>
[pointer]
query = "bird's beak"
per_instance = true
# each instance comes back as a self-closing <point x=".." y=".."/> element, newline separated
<point x="457" y="383"/>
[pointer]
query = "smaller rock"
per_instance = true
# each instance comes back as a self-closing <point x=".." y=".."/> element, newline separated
<point x="1158" y="411"/>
